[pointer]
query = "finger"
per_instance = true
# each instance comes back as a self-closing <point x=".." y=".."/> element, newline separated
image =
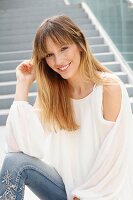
<point x="24" y="68"/>
<point x="25" y="65"/>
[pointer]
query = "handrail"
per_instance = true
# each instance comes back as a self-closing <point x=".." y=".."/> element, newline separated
<point x="125" y="67"/>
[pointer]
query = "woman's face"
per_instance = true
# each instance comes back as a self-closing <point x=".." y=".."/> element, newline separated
<point x="64" y="59"/>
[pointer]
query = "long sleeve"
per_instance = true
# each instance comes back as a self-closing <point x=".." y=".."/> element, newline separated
<point x="110" y="168"/>
<point x="24" y="130"/>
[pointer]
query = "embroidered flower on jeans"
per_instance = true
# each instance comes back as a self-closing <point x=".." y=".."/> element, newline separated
<point x="9" y="193"/>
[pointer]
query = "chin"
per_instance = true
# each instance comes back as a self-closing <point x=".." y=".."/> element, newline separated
<point x="66" y="76"/>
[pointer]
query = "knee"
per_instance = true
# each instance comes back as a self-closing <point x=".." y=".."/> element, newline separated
<point x="14" y="160"/>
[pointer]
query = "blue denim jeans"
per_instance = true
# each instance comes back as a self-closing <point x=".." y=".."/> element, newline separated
<point x="20" y="169"/>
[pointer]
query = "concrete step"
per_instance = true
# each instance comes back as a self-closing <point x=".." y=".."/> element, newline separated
<point x="42" y="9"/>
<point x="37" y="15"/>
<point x="9" y="65"/>
<point x="16" y="47"/>
<point x="129" y="88"/>
<point x="17" y="5"/>
<point x="9" y="40"/>
<point x="39" y="12"/>
<point x="9" y="87"/>
<point x="6" y="100"/>
<point x="8" y="75"/>
<point x="99" y="48"/>
<point x="95" y="40"/>
<point x="37" y="7"/>
<point x="123" y="76"/>
<point x="7" y="27"/>
<point x="113" y="66"/>
<point x="105" y="57"/>
<point x="15" y="55"/>
<point x="3" y="116"/>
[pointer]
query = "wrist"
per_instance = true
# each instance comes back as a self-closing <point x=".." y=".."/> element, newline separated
<point x="24" y="84"/>
<point x="22" y="90"/>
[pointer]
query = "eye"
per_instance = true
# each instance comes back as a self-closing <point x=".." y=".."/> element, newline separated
<point x="64" y="48"/>
<point x="49" y="55"/>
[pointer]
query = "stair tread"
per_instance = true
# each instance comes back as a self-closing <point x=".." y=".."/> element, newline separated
<point x="121" y="73"/>
<point x="4" y="83"/>
<point x="15" y="52"/>
<point x="111" y="62"/>
<point x="10" y="61"/>
<point x="12" y="95"/>
<point x="4" y="112"/>
<point x="7" y="71"/>
<point x="7" y="83"/>
<point x="104" y="53"/>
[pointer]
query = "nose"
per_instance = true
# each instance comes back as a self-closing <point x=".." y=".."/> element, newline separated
<point x="58" y="60"/>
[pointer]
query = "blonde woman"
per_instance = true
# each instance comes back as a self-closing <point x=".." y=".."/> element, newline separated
<point x="74" y="143"/>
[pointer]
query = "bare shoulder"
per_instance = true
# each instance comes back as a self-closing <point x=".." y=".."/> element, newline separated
<point x="111" y="101"/>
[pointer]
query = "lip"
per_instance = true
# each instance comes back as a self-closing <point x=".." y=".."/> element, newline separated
<point x="64" y="70"/>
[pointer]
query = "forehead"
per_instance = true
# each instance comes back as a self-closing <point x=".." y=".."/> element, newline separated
<point x="51" y="44"/>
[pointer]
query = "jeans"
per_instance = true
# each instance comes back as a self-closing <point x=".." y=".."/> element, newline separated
<point x="20" y="169"/>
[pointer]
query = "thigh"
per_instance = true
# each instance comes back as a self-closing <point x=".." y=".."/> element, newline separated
<point x="41" y="178"/>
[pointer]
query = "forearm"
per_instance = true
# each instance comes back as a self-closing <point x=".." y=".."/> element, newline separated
<point x="22" y="90"/>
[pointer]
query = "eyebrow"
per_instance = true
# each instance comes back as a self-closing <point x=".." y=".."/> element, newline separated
<point x="60" y="46"/>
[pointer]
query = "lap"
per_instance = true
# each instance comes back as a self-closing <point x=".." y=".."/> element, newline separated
<point x="40" y="177"/>
<point x="19" y="161"/>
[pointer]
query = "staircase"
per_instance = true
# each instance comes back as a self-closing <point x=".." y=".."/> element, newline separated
<point x="18" y="23"/>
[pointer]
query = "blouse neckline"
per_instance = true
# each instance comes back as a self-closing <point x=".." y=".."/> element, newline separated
<point x="87" y="96"/>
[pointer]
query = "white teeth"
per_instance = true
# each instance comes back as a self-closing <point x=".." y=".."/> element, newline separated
<point x="63" y="68"/>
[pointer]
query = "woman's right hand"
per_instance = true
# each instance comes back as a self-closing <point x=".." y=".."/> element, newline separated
<point x="25" y="72"/>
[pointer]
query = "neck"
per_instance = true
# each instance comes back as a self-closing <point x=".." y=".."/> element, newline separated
<point x="80" y="88"/>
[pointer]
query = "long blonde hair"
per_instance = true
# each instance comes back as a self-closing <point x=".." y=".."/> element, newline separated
<point x="53" y="94"/>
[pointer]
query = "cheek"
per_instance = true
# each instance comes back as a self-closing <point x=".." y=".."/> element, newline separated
<point x="70" y="55"/>
<point x="75" y="55"/>
<point x="49" y="62"/>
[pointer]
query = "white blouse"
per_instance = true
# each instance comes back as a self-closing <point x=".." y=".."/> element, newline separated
<point x="96" y="161"/>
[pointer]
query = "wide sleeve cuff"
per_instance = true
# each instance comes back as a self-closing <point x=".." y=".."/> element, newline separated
<point x="24" y="130"/>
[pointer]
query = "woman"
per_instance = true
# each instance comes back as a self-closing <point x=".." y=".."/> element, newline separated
<point x="74" y="143"/>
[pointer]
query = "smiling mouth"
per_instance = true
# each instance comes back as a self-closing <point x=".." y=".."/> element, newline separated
<point x="64" y="68"/>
